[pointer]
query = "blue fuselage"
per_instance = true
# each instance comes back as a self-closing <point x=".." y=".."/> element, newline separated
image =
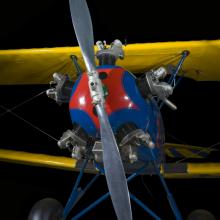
<point x="124" y="104"/>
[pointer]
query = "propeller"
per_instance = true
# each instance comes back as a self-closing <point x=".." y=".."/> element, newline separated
<point x="114" y="171"/>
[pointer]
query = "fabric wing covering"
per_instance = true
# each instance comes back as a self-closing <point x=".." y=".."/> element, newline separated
<point x="36" y="66"/>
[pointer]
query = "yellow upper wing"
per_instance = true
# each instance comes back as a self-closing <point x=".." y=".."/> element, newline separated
<point x="36" y="66"/>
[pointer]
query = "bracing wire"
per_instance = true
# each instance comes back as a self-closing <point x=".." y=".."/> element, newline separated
<point x="7" y="110"/>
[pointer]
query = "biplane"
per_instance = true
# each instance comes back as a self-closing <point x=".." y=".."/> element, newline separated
<point x="117" y="128"/>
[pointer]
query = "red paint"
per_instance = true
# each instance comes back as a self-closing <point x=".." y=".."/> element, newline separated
<point x="117" y="97"/>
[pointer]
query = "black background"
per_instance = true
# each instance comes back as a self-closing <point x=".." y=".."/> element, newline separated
<point x="47" y="23"/>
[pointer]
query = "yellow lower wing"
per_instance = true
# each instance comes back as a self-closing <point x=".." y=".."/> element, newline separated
<point x="33" y="159"/>
<point x="36" y="66"/>
<point x="182" y="170"/>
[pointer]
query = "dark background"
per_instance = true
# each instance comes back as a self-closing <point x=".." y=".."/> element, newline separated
<point x="47" y="23"/>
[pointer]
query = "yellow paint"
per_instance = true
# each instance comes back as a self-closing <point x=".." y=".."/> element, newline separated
<point x="197" y="170"/>
<point x="185" y="150"/>
<point x="36" y="66"/>
<point x="203" y="169"/>
<point x="37" y="159"/>
<point x="194" y="170"/>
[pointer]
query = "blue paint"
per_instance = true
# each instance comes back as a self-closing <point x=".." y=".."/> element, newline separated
<point x="107" y="67"/>
<point x="132" y="90"/>
<point x="128" y="115"/>
<point x="180" y="63"/>
<point x="170" y="197"/>
<point x="75" y="193"/>
<point x="145" y="116"/>
<point x="82" y="118"/>
<point x="175" y="153"/>
<point x="144" y="154"/>
<point x="199" y="152"/>
<point x="105" y="196"/>
<point x="144" y="207"/>
<point x="75" y="85"/>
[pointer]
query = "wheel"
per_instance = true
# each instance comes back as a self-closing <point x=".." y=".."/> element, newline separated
<point x="46" y="209"/>
<point x="201" y="214"/>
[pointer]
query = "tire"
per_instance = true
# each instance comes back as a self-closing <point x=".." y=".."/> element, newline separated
<point x="46" y="209"/>
<point x="201" y="214"/>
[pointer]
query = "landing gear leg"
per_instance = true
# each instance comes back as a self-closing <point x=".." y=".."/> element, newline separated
<point x="170" y="198"/>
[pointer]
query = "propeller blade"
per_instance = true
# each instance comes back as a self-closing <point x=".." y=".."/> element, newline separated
<point x="84" y="32"/>
<point x="114" y="171"/>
